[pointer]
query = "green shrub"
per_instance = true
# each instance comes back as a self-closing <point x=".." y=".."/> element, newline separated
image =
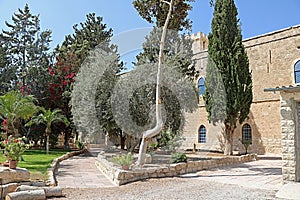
<point x="178" y="157"/>
<point x="170" y="140"/>
<point x="79" y="144"/>
<point x="124" y="159"/>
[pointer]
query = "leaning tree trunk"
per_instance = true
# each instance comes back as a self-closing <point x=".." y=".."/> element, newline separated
<point x="48" y="132"/>
<point x="228" y="140"/>
<point x="159" y="122"/>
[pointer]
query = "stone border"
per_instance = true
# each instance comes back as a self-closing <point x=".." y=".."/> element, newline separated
<point x="54" y="165"/>
<point x="121" y="177"/>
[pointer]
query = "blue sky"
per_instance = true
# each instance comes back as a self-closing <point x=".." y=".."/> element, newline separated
<point x="257" y="16"/>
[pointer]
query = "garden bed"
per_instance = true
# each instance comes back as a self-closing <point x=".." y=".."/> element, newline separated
<point x="160" y="167"/>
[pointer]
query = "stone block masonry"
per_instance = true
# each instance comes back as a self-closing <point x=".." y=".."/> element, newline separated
<point x="290" y="136"/>
<point x="272" y="58"/>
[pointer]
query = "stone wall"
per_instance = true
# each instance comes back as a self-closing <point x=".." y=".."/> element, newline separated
<point x="271" y="57"/>
<point x="121" y="177"/>
<point x="290" y="136"/>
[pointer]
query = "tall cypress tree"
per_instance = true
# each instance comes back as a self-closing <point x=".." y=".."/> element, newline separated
<point x="228" y="56"/>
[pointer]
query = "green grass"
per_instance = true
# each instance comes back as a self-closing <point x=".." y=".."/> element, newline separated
<point x="37" y="161"/>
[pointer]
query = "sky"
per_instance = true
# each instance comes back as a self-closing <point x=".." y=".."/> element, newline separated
<point x="257" y="16"/>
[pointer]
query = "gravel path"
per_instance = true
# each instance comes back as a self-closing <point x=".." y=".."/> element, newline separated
<point x="171" y="188"/>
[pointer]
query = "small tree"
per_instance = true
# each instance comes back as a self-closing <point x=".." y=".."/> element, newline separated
<point x="229" y="83"/>
<point x="158" y="107"/>
<point x="168" y="15"/>
<point x="48" y="117"/>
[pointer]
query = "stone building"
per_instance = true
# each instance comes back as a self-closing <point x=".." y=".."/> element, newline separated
<point x="273" y="59"/>
<point x="290" y="129"/>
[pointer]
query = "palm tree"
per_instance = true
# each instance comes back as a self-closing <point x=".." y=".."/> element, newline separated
<point x="15" y="106"/>
<point x="48" y="117"/>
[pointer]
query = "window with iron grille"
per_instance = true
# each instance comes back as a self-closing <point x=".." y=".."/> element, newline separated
<point x="202" y="134"/>
<point x="201" y="86"/>
<point x="246" y="134"/>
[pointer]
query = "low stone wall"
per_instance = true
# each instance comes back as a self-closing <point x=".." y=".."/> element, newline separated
<point x="120" y="177"/>
<point x="52" y="170"/>
<point x="12" y="179"/>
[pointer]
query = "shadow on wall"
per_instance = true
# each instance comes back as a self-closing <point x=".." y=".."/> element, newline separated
<point x="257" y="145"/>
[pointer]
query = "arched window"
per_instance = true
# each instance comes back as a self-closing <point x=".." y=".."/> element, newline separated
<point x="297" y="72"/>
<point x="201" y="86"/>
<point x="202" y="134"/>
<point x="246" y="134"/>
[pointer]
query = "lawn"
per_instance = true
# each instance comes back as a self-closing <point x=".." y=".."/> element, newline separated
<point x="37" y="162"/>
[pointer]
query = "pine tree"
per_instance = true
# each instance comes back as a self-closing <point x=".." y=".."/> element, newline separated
<point x="156" y="9"/>
<point x="229" y="57"/>
<point x="70" y="56"/>
<point x="178" y="52"/>
<point x="85" y="38"/>
<point x="28" y="50"/>
<point x="7" y="74"/>
<point x="178" y="56"/>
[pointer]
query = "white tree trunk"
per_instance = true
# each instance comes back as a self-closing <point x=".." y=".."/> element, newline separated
<point x="159" y="122"/>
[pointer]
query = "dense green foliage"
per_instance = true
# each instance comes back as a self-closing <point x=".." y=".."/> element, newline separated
<point x="227" y="54"/>
<point x="14" y="106"/>
<point x="124" y="159"/>
<point x="27" y="49"/>
<point x="178" y="58"/>
<point x="155" y="11"/>
<point x="48" y="117"/>
<point x="69" y="58"/>
<point x="178" y="52"/>
<point x="178" y="157"/>
<point x="14" y="147"/>
<point x="103" y="103"/>
<point x="6" y="73"/>
<point x="27" y="65"/>
<point x="169" y="140"/>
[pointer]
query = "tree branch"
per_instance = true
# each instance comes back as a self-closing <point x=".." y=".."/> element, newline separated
<point x="167" y="2"/>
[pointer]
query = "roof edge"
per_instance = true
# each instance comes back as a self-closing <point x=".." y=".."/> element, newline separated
<point x="271" y="33"/>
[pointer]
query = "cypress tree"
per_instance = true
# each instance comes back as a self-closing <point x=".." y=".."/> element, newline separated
<point x="227" y="54"/>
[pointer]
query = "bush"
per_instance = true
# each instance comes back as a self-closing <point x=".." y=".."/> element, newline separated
<point x="79" y="144"/>
<point x="14" y="147"/>
<point x="178" y="157"/>
<point x="124" y="159"/>
<point x="170" y="140"/>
